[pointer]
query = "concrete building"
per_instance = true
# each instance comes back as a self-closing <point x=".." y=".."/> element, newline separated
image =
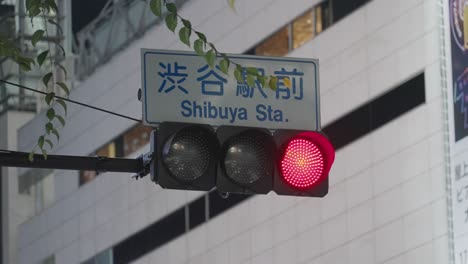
<point x="384" y="87"/>
<point x="17" y="107"/>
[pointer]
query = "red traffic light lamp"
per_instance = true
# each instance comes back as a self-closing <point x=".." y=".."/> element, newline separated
<point x="303" y="164"/>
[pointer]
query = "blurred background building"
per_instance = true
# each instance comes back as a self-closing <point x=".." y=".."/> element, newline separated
<point x="385" y="99"/>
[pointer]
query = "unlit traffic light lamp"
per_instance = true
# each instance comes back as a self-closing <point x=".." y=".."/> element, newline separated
<point x="247" y="160"/>
<point x="187" y="156"/>
<point x="242" y="159"/>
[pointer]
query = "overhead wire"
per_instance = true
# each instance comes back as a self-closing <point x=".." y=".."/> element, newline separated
<point x="71" y="101"/>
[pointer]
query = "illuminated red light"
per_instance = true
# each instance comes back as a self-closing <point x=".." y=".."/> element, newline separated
<point x="302" y="163"/>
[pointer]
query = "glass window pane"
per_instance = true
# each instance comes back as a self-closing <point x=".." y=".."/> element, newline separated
<point x="318" y="16"/>
<point x="303" y="29"/>
<point x="136" y="138"/>
<point x="87" y="176"/>
<point x="107" y="151"/>
<point x="48" y="190"/>
<point x="104" y="257"/>
<point x="326" y="15"/>
<point x="49" y="260"/>
<point x="276" y="45"/>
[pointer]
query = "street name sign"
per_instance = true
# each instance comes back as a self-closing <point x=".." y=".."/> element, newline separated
<point x="180" y="87"/>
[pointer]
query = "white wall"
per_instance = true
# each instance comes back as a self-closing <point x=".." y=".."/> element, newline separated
<point x="12" y="212"/>
<point x="387" y="196"/>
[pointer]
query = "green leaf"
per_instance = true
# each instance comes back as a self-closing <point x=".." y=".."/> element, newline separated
<point x="238" y="75"/>
<point x="46" y="78"/>
<point x="184" y="35"/>
<point x="34" y="11"/>
<point x="212" y="46"/>
<point x="44" y="153"/>
<point x="63" y="104"/>
<point x="273" y="83"/>
<point x="171" y="22"/>
<point x="50" y="114"/>
<point x="32" y="7"/>
<point x="201" y="36"/>
<point x="63" y="69"/>
<point x="53" y="22"/>
<point x="252" y="70"/>
<point x="24" y="66"/>
<point x="262" y="80"/>
<point x="198" y="47"/>
<point x="55" y="132"/>
<point x="50" y="143"/>
<point x="231" y="4"/>
<point x="186" y="23"/>
<point x="287" y="82"/>
<point x="171" y="7"/>
<point x="224" y="65"/>
<point x="210" y="57"/>
<point x="60" y="119"/>
<point x="49" y="97"/>
<point x="31" y="156"/>
<point x="64" y="87"/>
<point x="37" y="36"/>
<point x="8" y="48"/>
<point x="24" y="62"/>
<point x="239" y="68"/>
<point x="156" y="7"/>
<point x="52" y="5"/>
<point x="250" y="80"/>
<point x="41" y="57"/>
<point x="29" y="3"/>
<point x="224" y="56"/>
<point x="49" y="127"/>
<point x="61" y="48"/>
<point x="40" y="141"/>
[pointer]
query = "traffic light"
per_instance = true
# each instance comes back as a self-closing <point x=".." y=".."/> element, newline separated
<point x="304" y="160"/>
<point x="237" y="159"/>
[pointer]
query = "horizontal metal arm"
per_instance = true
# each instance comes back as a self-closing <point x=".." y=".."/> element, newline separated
<point x="61" y="162"/>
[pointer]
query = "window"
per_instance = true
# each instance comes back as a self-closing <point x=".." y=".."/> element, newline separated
<point x="48" y="260"/>
<point x="87" y="176"/>
<point x="122" y="146"/>
<point x="297" y="32"/>
<point x="323" y="16"/>
<point x="105" y="257"/>
<point x="303" y="28"/>
<point x="136" y="138"/>
<point x="275" y="45"/>
<point x="342" y="8"/>
<point x="36" y="191"/>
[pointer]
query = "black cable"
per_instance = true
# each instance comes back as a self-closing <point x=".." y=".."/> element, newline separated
<point x="71" y="101"/>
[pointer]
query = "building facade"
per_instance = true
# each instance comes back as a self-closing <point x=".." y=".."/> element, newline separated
<point x="383" y="105"/>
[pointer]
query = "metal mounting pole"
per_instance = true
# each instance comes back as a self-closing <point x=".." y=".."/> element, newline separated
<point x="61" y="162"/>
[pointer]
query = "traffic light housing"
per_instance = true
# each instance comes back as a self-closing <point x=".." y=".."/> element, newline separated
<point x="237" y="159"/>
